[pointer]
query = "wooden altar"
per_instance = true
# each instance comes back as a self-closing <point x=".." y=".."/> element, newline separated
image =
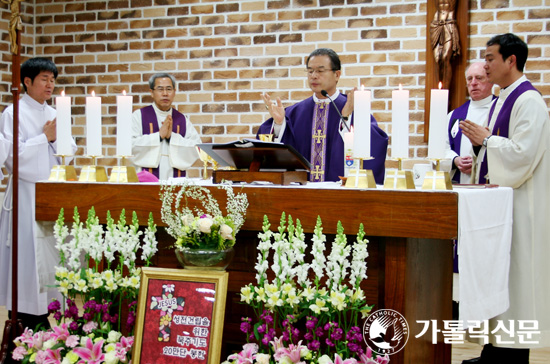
<point x="410" y="234"/>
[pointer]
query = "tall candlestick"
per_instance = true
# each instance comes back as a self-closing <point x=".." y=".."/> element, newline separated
<point x="93" y="125"/>
<point x="400" y="123"/>
<point x="438" y="123"/>
<point x="123" y="125"/>
<point x="348" y="152"/>
<point x="361" y="122"/>
<point x="63" y="124"/>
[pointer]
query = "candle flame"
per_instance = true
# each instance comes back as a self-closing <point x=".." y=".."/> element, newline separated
<point x="400" y="87"/>
<point x="62" y="93"/>
<point x="440" y="85"/>
<point x="362" y="87"/>
<point x="123" y="92"/>
<point x="93" y="93"/>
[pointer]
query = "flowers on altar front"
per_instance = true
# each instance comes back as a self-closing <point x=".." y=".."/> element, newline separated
<point x="98" y="266"/>
<point x="303" y="320"/>
<point x="195" y="219"/>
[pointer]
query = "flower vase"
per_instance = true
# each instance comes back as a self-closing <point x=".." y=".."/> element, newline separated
<point x="212" y="259"/>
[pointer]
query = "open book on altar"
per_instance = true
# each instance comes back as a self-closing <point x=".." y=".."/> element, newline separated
<point x="253" y="154"/>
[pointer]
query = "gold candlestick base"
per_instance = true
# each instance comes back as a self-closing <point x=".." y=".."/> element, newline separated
<point x="360" y="178"/>
<point x="123" y="174"/>
<point x="61" y="173"/>
<point x="399" y="180"/>
<point x="93" y="174"/>
<point x="437" y="180"/>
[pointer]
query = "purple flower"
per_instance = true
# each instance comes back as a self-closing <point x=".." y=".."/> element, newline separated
<point x="106" y="317"/>
<point x="329" y="342"/>
<point x="114" y="318"/>
<point x="73" y="326"/>
<point x="245" y="327"/>
<point x="261" y="329"/>
<point x="87" y="316"/>
<point x="54" y="306"/>
<point x="266" y="340"/>
<point x="337" y="334"/>
<point x="353" y="347"/>
<point x="308" y="336"/>
<point x="57" y="316"/>
<point x="314" y="345"/>
<point x="319" y="332"/>
<point x="310" y="323"/>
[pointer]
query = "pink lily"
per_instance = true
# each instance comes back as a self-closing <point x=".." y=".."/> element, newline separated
<point x="60" y="333"/>
<point x="245" y="356"/>
<point x="292" y="353"/>
<point x="53" y="356"/>
<point x="92" y="353"/>
<point x="339" y="360"/>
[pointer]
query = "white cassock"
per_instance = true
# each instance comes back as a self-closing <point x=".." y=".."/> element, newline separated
<point x="5" y="146"/>
<point x="37" y="256"/>
<point x="477" y="113"/>
<point x="522" y="161"/>
<point x="149" y="152"/>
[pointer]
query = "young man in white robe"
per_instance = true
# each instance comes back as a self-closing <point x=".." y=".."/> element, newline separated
<point x="37" y="256"/>
<point x="163" y="139"/>
<point x="514" y="151"/>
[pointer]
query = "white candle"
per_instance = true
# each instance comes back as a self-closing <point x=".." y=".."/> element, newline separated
<point x="93" y="125"/>
<point x="63" y="124"/>
<point x="400" y="123"/>
<point x="438" y="123"/>
<point x="361" y="122"/>
<point x="123" y="125"/>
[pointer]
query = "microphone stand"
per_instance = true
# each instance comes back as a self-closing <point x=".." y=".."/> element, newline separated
<point x="325" y="94"/>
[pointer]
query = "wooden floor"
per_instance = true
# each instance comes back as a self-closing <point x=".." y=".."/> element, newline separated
<point x="460" y="352"/>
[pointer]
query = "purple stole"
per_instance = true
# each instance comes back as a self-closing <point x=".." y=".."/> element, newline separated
<point x="150" y="125"/>
<point x="502" y="123"/>
<point x="459" y="113"/>
<point x="298" y="133"/>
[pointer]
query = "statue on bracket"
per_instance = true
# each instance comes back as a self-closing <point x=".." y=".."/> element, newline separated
<point x="445" y="38"/>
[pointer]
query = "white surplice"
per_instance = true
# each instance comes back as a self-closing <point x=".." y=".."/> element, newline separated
<point x="478" y="111"/>
<point x="37" y="256"/>
<point x="150" y="152"/>
<point x="522" y="161"/>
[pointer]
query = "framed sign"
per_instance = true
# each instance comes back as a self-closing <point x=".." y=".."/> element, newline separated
<point x="180" y="316"/>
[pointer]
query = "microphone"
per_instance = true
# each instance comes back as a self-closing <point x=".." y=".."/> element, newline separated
<point x="325" y="94"/>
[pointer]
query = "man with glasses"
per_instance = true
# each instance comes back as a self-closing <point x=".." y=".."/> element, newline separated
<point x="163" y="140"/>
<point x="314" y="127"/>
<point x="458" y="147"/>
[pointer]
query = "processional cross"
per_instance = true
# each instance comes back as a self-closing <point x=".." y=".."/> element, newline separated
<point x="13" y="327"/>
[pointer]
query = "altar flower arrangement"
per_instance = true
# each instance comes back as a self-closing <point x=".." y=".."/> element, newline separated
<point x="194" y="217"/>
<point x="106" y="280"/>
<point x="299" y="320"/>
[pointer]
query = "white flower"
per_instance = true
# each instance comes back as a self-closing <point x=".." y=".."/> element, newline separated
<point x="113" y="336"/>
<point x="205" y="225"/>
<point x="226" y="232"/>
<point x="325" y="359"/>
<point x="262" y="358"/>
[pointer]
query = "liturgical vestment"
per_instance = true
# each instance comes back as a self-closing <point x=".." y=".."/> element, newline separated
<point x="37" y="256"/>
<point x="298" y="133"/>
<point x="150" y="152"/>
<point x="522" y="161"/>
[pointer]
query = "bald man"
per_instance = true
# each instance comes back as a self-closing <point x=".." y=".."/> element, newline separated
<point x="458" y="147"/>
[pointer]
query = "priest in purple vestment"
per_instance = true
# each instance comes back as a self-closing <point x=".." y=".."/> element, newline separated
<point x="314" y="127"/>
<point x="163" y="139"/>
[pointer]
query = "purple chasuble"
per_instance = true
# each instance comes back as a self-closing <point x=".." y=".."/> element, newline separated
<point x="502" y="123"/>
<point x="319" y="142"/>
<point x="299" y="124"/>
<point x="150" y="125"/>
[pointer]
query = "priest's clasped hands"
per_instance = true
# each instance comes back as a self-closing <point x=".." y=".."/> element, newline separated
<point x="165" y="131"/>
<point x="50" y="130"/>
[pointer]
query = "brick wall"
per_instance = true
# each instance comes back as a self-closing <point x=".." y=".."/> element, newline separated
<point x="224" y="54"/>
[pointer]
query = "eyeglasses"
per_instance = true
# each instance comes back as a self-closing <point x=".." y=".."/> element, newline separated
<point x="319" y="71"/>
<point x="480" y="79"/>
<point x="164" y="89"/>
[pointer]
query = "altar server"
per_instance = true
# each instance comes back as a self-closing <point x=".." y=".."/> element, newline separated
<point x="37" y="256"/>
<point x="515" y="151"/>
<point x="457" y="146"/>
<point x="314" y="127"/>
<point x="163" y="139"/>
